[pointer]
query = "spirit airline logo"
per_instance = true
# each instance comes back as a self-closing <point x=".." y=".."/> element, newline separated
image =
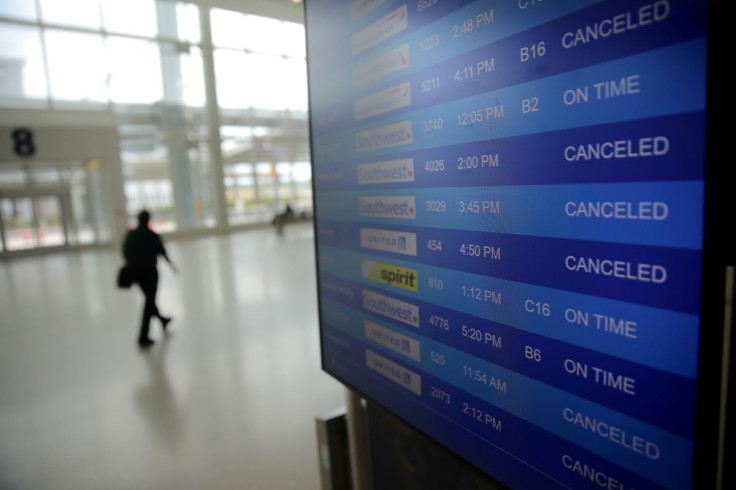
<point x="401" y="207"/>
<point x="391" y="275"/>
<point x="379" y="31"/>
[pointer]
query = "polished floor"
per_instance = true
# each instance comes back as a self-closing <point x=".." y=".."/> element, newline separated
<point x="227" y="401"/>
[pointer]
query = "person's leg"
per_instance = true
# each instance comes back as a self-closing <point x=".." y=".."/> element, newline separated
<point x="149" y="286"/>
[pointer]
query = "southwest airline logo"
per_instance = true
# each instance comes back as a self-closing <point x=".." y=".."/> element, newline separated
<point x="384" y="101"/>
<point x="391" y="275"/>
<point x="391" y="308"/>
<point x="384" y="137"/>
<point x="386" y="172"/>
<point x="401" y="207"/>
<point x="395" y="60"/>
<point x="381" y="30"/>
<point x="389" y="241"/>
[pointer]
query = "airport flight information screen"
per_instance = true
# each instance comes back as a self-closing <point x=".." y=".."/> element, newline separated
<point x="509" y="204"/>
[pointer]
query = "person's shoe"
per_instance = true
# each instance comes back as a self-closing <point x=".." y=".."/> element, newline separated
<point x="145" y="343"/>
<point x="165" y="320"/>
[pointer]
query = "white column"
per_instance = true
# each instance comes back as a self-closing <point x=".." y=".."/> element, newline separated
<point x="213" y="118"/>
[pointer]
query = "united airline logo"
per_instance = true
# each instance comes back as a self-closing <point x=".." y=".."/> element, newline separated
<point x="401" y="344"/>
<point x="384" y="137"/>
<point x="385" y="101"/>
<point x="391" y="308"/>
<point x="389" y="241"/>
<point x="381" y="30"/>
<point x="401" y="207"/>
<point x="395" y="60"/>
<point x="391" y="275"/>
<point x="386" y="172"/>
<point x="398" y="374"/>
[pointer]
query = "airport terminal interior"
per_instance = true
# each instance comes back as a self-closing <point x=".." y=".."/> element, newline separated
<point x="196" y="111"/>
<point x="227" y="400"/>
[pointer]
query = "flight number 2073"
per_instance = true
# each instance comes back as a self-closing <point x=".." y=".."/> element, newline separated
<point x="441" y="395"/>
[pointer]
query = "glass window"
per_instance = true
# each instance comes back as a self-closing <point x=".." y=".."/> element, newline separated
<point x="302" y="175"/>
<point x="22" y="73"/>
<point x="157" y="196"/>
<point x="264" y="35"/>
<point x="202" y="186"/>
<point x="272" y="86"/>
<point x="284" y="181"/>
<point x="192" y="78"/>
<point x="17" y="216"/>
<point x="187" y="15"/>
<point x="252" y="80"/>
<point x="236" y="132"/>
<point x="18" y="9"/>
<point x="138" y="130"/>
<point x="98" y="199"/>
<point x="240" y="194"/>
<point x="45" y="174"/>
<point x="258" y="34"/>
<point x="294" y="43"/>
<point x="267" y="186"/>
<point x="77" y="66"/>
<point x="77" y="13"/>
<point x="141" y="154"/>
<point x="82" y="211"/>
<point x="130" y="17"/>
<point x="135" y="71"/>
<point x="295" y="84"/>
<point x="50" y="229"/>
<point x="227" y="28"/>
<point x="148" y="183"/>
<point x="231" y="79"/>
<point x="12" y="176"/>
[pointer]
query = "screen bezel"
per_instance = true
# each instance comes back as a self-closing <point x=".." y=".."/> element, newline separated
<point x="716" y="256"/>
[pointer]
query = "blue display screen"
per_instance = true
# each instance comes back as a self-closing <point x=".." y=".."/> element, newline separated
<point x="509" y="202"/>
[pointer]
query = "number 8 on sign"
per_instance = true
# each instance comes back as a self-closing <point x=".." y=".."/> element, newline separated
<point x="23" y="142"/>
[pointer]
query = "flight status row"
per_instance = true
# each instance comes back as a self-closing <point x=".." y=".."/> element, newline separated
<point x="509" y="215"/>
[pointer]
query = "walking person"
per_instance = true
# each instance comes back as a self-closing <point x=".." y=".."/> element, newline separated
<point x="141" y="249"/>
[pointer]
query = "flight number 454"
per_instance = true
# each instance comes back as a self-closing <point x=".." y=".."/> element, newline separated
<point x="434" y="245"/>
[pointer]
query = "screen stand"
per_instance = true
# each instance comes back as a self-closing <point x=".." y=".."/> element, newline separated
<point x="725" y="439"/>
<point x="358" y="440"/>
<point x="400" y="457"/>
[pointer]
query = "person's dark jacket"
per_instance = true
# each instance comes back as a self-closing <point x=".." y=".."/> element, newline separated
<point x="142" y="247"/>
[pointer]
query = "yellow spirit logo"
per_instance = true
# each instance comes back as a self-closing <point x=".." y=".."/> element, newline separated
<point x="391" y="275"/>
